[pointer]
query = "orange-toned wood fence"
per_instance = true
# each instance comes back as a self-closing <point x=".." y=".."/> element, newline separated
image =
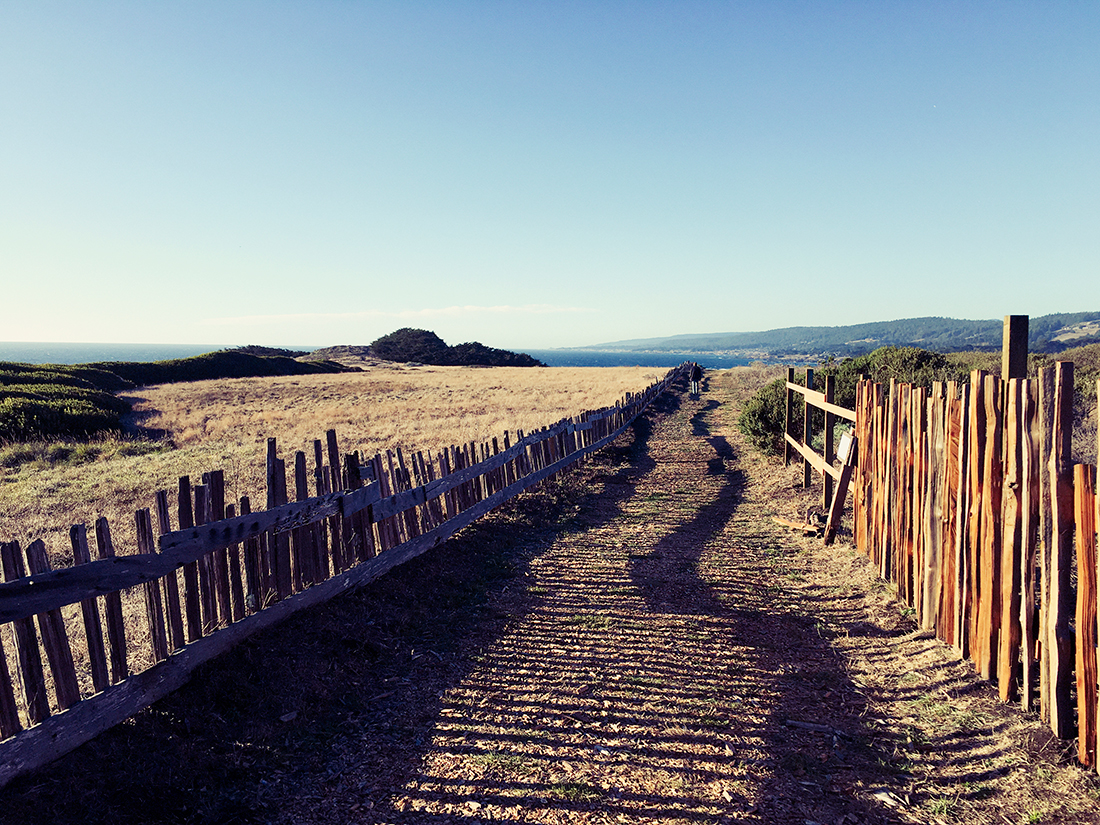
<point x="222" y="573"/>
<point x="965" y="498"/>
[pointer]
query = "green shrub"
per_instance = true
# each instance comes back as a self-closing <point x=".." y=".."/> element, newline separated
<point x="763" y="417"/>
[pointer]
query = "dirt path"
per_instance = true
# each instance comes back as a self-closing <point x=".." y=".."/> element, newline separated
<point x="656" y="651"/>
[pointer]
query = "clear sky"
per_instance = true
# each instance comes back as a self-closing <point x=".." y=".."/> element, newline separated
<point x="539" y="174"/>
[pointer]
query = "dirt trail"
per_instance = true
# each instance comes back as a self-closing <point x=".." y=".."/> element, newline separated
<point x="661" y="653"/>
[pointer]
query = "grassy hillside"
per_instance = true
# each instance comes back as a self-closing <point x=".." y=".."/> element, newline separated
<point x="51" y="401"/>
<point x="1048" y="333"/>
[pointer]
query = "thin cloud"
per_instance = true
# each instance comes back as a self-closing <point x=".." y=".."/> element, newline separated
<point x="439" y="312"/>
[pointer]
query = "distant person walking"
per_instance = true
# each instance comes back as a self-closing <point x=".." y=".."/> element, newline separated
<point x="696" y="377"/>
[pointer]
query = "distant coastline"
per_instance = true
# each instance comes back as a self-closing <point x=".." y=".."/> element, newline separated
<point x="76" y="353"/>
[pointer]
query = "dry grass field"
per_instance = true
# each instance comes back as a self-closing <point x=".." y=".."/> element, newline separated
<point x="225" y="424"/>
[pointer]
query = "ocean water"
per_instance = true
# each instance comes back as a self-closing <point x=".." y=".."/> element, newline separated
<point x="49" y="353"/>
<point x="55" y="353"/>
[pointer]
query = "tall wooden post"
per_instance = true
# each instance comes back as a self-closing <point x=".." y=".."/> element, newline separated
<point x="1014" y="347"/>
<point x="830" y="451"/>
<point x="788" y="422"/>
<point x="807" y="430"/>
<point x="1060" y="639"/>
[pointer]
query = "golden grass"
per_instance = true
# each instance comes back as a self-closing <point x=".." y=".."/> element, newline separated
<point x="225" y="424"/>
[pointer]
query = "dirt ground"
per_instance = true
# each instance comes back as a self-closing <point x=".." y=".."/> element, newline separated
<point x="638" y="642"/>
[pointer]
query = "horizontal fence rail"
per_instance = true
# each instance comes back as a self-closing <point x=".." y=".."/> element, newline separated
<point x="966" y="498"/>
<point x="226" y="572"/>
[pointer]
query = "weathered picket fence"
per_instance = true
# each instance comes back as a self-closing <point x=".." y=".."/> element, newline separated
<point x="225" y="573"/>
<point x="965" y="497"/>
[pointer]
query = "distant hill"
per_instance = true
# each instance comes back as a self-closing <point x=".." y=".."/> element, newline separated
<point x="1047" y="333"/>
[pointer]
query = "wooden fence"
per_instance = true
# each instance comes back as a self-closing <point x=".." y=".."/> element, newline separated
<point x="832" y="500"/>
<point x="966" y="499"/>
<point x="225" y="573"/>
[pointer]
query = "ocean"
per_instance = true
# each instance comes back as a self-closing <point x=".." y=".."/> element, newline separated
<point x="68" y="353"/>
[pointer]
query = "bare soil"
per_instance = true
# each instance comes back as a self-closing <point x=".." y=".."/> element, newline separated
<point x="635" y="642"/>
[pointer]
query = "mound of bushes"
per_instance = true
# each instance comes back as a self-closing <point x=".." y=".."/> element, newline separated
<point x="425" y="347"/>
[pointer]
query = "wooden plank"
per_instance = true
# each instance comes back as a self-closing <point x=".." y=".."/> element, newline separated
<point x="1029" y="528"/>
<point x="301" y="538"/>
<point x="219" y="559"/>
<point x="112" y="606"/>
<point x="280" y="558"/>
<point x="1060" y="638"/>
<point x="9" y="710"/>
<point x="154" y="606"/>
<point x="192" y="600"/>
<point x="989" y="588"/>
<point x="32" y="676"/>
<point x="89" y="609"/>
<point x="55" y="640"/>
<point x="171" y="583"/>
<point x="1046" y="531"/>
<point x="207" y="598"/>
<point x="836" y="506"/>
<point x="962" y="527"/>
<point x="820" y="401"/>
<point x="1084" y="485"/>
<point x="253" y="582"/>
<point x="236" y="580"/>
<point x="933" y="561"/>
<point x="978" y="433"/>
<point x="949" y="571"/>
<point x="1014" y="493"/>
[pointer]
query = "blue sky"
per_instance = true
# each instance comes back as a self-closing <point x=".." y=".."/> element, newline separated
<point x="541" y="174"/>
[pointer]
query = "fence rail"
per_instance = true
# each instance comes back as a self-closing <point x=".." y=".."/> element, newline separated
<point x="965" y="498"/>
<point x="226" y="573"/>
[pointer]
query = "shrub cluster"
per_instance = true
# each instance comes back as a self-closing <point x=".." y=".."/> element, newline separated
<point x="425" y="347"/>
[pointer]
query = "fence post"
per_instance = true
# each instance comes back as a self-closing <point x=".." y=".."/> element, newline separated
<point x="829" y="450"/>
<point x="807" y="430"/>
<point x="789" y="420"/>
<point x="1060" y="607"/>
<point x="1084" y="487"/>
<point x="1014" y="347"/>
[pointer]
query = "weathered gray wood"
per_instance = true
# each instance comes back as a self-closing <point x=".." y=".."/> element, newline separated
<point x="32" y="677"/>
<point x="171" y="584"/>
<point x="192" y="600"/>
<point x="9" y="711"/>
<point x="236" y="580"/>
<point x="154" y="607"/>
<point x="219" y="559"/>
<point x="206" y="573"/>
<point x="112" y="605"/>
<point x="1060" y="638"/>
<point x="55" y="639"/>
<point x="93" y="625"/>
